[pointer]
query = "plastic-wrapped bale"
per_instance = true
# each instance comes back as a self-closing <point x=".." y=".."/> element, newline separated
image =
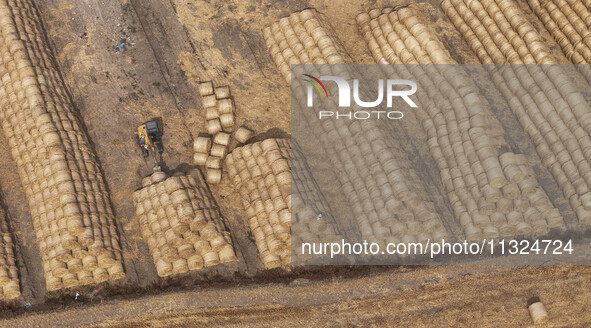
<point x="492" y="196"/>
<point x="181" y="223"/>
<point x="262" y="173"/>
<point x="66" y="192"/>
<point x="543" y="97"/>
<point x="9" y="279"/>
<point x="391" y="204"/>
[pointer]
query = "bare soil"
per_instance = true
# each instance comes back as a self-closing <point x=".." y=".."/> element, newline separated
<point x="418" y="297"/>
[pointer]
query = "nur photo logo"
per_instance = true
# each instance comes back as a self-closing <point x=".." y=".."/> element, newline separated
<point x="318" y="85"/>
<point x="388" y="89"/>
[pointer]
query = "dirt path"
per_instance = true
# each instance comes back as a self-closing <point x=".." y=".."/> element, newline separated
<point x="444" y="296"/>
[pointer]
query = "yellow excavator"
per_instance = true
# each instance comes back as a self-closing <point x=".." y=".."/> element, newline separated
<point x="149" y="138"/>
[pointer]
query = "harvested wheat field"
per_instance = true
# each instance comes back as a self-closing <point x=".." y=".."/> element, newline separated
<point x="202" y="231"/>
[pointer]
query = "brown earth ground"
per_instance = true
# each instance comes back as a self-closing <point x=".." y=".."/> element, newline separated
<point x="173" y="44"/>
<point x="444" y="297"/>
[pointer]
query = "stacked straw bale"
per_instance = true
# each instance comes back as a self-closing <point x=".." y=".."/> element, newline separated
<point x="181" y="223"/>
<point x="492" y="196"/>
<point x="313" y="221"/>
<point x="262" y="172"/>
<point x="568" y="21"/>
<point x="9" y="280"/>
<point x="219" y="115"/>
<point x="389" y="202"/>
<point x="68" y="200"/>
<point x="543" y="97"/>
<point x="303" y="38"/>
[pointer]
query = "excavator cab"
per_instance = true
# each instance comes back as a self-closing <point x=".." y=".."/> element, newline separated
<point x="149" y="138"/>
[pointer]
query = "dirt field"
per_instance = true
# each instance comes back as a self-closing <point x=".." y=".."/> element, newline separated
<point x="169" y="46"/>
<point x="450" y="296"/>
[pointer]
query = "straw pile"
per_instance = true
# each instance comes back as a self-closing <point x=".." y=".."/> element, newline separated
<point x="388" y="200"/>
<point x="568" y="21"/>
<point x="547" y="103"/>
<point x="219" y="115"/>
<point x="181" y="224"/>
<point x="9" y="281"/>
<point x="498" y="32"/>
<point x="68" y="200"/>
<point x="303" y="38"/>
<point x="262" y="173"/>
<point x="312" y="217"/>
<point x="492" y="196"/>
